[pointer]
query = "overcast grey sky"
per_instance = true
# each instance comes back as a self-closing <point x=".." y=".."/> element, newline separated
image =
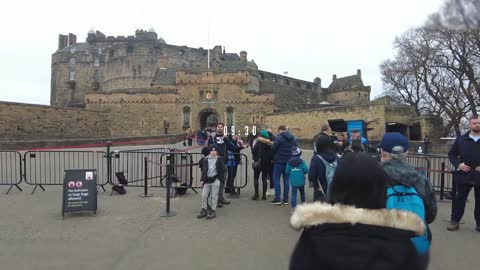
<point x="305" y="38"/>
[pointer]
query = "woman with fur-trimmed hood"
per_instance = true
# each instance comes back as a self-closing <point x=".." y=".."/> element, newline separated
<point x="354" y="230"/>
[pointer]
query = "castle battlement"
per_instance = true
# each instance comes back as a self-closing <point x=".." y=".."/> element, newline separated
<point x="99" y="37"/>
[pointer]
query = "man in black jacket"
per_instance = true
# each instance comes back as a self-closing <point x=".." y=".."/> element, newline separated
<point x="465" y="156"/>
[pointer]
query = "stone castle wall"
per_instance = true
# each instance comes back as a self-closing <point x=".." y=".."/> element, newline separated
<point x="307" y="124"/>
<point x="36" y="122"/>
<point x="349" y="96"/>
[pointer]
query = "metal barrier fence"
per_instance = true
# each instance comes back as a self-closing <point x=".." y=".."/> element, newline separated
<point x="438" y="170"/>
<point x="186" y="171"/>
<point x="48" y="167"/>
<point x="11" y="169"/>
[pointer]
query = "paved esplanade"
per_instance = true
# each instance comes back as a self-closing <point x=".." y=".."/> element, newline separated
<point x="128" y="233"/>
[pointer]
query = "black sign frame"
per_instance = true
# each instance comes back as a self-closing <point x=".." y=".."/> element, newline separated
<point x="79" y="191"/>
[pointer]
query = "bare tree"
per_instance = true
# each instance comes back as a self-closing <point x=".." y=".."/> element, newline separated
<point x="436" y="67"/>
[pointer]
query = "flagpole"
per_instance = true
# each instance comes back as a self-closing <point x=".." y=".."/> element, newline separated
<point x="208" y="45"/>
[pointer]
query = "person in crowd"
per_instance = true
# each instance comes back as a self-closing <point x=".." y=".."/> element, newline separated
<point x="263" y="162"/>
<point x="233" y="159"/>
<point x="322" y="167"/>
<point x="282" y="152"/>
<point x="326" y="132"/>
<point x="355" y="146"/>
<point x="200" y="138"/>
<point x="190" y="136"/>
<point x="219" y="139"/>
<point x="465" y="156"/>
<point x="354" y="230"/>
<point x="394" y="148"/>
<point x="271" y="184"/>
<point x="355" y="136"/>
<point x="212" y="170"/>
<point x="296" y="170"/>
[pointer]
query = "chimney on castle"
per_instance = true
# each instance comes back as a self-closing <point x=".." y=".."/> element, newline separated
<point x="334" y="77"/>
<point x="359" y="73"/>
<point x="72" y="39"/>
<point x="62" y="41"/>
<point x="318" y="82"/>
<point x="243" y="55"/>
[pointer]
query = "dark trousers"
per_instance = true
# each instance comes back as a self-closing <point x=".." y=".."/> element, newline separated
<point x="294" y="195"/>
<point x="278" y="172"/>
<point x="232" y="172"/>
<point x="265" y="171"/>
<point x="269" y="167"/>
<point x="317" y="194"/>
<point x="458" y="205"/>
<point x="189" y="141"/>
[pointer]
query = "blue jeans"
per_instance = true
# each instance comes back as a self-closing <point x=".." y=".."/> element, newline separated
<point x="294" y="195"/>
<point x="278" y="171"/>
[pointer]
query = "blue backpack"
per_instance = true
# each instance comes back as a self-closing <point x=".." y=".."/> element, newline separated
<point x="406" y="198"/>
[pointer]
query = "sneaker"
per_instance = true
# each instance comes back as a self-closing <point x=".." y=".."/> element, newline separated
<point x="202" y="214"/>
<point x="211" y="215"/>
<point x="453" y="226"/>
<point x="255" y="197"/>
<point x="219" y="205"/>
<point x="276" y="202"/>
<point x="477" y="228"/>
<point x="223" y="201"/>
<point x="285" y="201"/>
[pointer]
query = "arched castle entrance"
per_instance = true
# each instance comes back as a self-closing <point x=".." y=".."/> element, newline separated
<point x="208" y="118"/>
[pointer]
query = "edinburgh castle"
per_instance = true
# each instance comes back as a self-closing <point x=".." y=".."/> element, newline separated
<point x="135" y="86"/>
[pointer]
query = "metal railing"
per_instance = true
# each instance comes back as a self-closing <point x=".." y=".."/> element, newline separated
<point x="11" y="169"/>
<point x="438" y="170"/>
<point x="43" y="168"/>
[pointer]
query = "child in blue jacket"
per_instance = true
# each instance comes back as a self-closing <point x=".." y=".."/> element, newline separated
<point x="295" y="170"/>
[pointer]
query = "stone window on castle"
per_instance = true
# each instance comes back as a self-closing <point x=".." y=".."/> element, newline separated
<point x="186" y="117"/>
<point x="72" y="62"/>
<point x="139" y="70"/>
<point x="130" y="49"/>
<point x="73" y="49"/>
<point x="96" y="62"/>
<point x="100" y="50"/>
<point x="298" y="85"/>
<point x="261" y="76"/>
<point x="72" y="76"/>
<point x="274" y="79"/>
<point x="229" y="116"/>
<point x="359" y="94"/>
<point x="309" y="87"/>
<point x="111" y="53"/>
<point x="96" y="76"/>
<point x="286" y="81"/>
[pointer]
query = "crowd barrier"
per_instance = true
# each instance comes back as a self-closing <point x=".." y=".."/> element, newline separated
<point x="150" y="167"/>
<point x="438" y="169"/>
<point x="43" y="168"/>
<point x="10" y="169"/>
<point x="142" y="167"/>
